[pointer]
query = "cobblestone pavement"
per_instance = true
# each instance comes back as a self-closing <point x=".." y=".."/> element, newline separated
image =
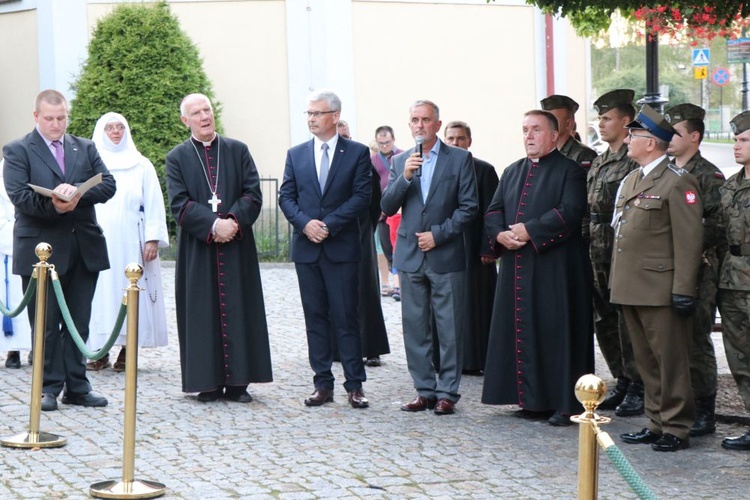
<point x="275" y="447"/>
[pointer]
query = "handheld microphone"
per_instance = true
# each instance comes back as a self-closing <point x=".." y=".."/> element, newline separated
<point x="419" y="140"/>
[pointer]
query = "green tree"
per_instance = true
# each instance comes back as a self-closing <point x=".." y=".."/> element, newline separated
<point x="140" y="64"/>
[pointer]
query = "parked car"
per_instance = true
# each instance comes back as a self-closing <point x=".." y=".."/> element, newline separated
<point x="594" y="140"/>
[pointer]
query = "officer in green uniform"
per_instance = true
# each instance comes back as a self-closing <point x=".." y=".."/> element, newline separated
<point x="564" y="108"/>
<point x="607" y="171"/>
<point x="655" y="262"/>
<point x="734" y="279"/>
<point x="687" y="119"/>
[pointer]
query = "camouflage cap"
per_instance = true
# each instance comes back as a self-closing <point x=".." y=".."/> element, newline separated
<point x="682" y="112"/>
<point x="649" y="119"/>
<point x="740" y="123"/>
<point x="557" y="101"/>
<point x="613" y="99"/>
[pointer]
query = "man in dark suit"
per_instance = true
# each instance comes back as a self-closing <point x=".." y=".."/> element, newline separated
<point x="326" y="188"/>
<point x="437" y="194"/>
<point x="50" y="158"/>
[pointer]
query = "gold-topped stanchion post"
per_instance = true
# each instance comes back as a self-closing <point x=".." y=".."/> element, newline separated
<point x="35" y="438"/>
<point x="129" y="487"/>
<point x="590" y="391"/>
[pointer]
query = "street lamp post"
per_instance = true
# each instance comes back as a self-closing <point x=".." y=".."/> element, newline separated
<point x="652" y="97"/>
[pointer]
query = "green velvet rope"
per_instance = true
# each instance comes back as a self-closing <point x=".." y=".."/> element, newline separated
<point x="26" y="299"/>
<point x="92" y="355"/>
<point x="629" y="474"/>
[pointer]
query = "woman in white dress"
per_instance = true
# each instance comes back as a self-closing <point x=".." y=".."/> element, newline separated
<point x="16" y="331"/>
<point x="135" y="226"/>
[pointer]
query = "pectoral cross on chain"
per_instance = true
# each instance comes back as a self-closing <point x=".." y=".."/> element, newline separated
<point x="214" y="202"/>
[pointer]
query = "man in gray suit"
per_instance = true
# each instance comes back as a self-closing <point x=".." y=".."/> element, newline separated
<point x="437" y="194"/>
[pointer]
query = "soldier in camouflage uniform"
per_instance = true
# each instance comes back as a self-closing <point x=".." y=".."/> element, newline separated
<point x="734" y="279"/>
<point x="687" y="119"/>
<point x="615" y="110"/>
<point x="564" y="108"/>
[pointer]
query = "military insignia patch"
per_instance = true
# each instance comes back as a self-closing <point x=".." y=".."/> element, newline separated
<point x="690" y="197"/>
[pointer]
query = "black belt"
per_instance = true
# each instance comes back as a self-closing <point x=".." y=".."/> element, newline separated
<point x="739" y="250"/>
<point x="601" y="217"/>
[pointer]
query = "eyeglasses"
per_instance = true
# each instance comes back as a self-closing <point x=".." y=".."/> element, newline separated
<point x="316" y="114"/>
<point x="631" y="135"/>
<point x="385" y="144"/>
<point x="110" y="128"/>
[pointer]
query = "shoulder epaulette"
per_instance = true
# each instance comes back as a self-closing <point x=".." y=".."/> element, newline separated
<point x="677" y="170"/>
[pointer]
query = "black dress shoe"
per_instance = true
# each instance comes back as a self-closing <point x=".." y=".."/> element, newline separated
<point x="90" y="399"/>
<point x="533" y="415"/>
<point x="210" y="396"/>
<point x="320" y="397"/>
<point x="357" y="399"/>
<point x="741" y="443"/>
<point x="560" y="420"/>
<point x="669" y="442"/>
<point x="373" y="361"/>
<point x="644" y="437"/>
<point x="445" y="406"/>
<point x="49" y="402"/>
<point x="238" y="396"/>
<point x="13" y="360"/>
<point x="420" y="403"/>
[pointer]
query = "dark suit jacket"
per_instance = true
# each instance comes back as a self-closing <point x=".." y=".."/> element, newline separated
<point x="29" y="160"/>
<point x="452" y="203"/>
<point x="345" y="198"/>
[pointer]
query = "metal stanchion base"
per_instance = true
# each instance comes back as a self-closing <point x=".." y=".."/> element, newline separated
<point x="597" y="418"/>
<point x="121" y="489"/>
<point x="43" y="440"/>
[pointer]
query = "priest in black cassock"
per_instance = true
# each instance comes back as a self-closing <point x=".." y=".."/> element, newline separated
<point x="541" y="339"/>
<point x="214" y="194"/>
<point x="481" y="267"/>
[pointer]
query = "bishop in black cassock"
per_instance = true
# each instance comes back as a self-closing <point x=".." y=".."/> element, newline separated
<point x="221" y="320"/>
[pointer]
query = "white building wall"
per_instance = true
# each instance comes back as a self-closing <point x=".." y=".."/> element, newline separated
<point x="481" y="63"/>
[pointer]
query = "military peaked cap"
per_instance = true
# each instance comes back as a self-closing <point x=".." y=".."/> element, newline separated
<point x="649" y="119"/>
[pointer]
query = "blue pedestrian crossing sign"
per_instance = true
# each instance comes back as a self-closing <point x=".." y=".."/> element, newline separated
<point x="701" y="57"/>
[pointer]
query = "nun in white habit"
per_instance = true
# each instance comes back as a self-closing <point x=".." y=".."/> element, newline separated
<point x="135" y="226"/>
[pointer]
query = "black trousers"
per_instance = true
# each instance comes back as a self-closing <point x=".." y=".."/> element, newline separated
<point x="64" y="365"/>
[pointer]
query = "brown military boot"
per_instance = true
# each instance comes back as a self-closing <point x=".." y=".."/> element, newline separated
<point x="705" y="416"/>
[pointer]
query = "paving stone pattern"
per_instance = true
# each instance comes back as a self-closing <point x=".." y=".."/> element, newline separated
<point x="276" y="448"/>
